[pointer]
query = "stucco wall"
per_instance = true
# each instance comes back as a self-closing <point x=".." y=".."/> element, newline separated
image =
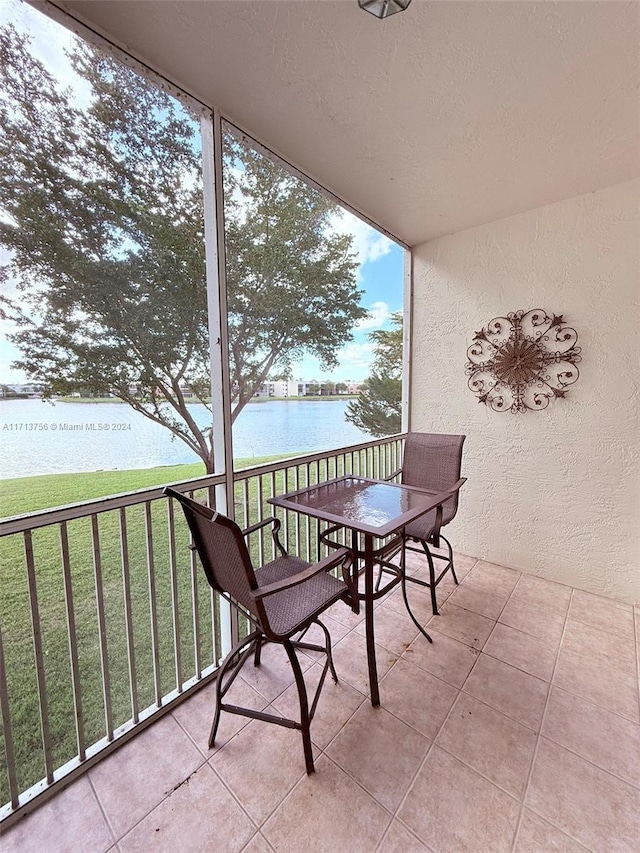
<point x="553" y="493"/>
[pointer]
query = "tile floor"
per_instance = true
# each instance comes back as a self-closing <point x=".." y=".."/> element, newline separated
<point x="517" y="731"/>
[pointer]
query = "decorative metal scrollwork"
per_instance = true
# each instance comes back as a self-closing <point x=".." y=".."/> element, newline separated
<point x="522" y="361"/>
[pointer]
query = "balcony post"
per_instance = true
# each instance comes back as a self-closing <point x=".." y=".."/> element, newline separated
<point x="407" y="315"/>
<point x="213" y="189"/>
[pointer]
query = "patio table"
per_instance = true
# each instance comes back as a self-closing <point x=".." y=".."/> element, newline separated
<point x="370" y="509"/>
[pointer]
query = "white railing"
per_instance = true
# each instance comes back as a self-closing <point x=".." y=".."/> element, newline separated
<point x="106" y="621"/>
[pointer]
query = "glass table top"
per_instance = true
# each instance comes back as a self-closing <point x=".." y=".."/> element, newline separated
<point x="367" y="505"/>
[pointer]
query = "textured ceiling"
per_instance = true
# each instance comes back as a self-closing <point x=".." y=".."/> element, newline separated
<point x="446" y="116"/>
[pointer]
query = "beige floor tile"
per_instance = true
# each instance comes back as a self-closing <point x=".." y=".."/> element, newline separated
<point x="196" y="714"/>
<point x="274" y="674"/>
<point x="479" y="599"/>
<point x="399" y="840"/>
<point x="419" y="601"/>
<point x="336" y="704"/>
<point x="187" y="820"/>
<point x="597" y="809"/>
<point x="414" y="561"/>
<point x="583" y="794"/>
<point x="522" y="650"/>
<point x="132" y="781"/>
<point x="258" y="844"/>
<point x="517" y="694"/>
<point x="454" y="810"/>
<point x="491" y="743"/>
<point x="395" y="631"/>
<point x="601" y="737"/>
<point x="326" y="813"/>
<point x="463" y="625"/>
<point x="608" y="649"/>
<point x="380" y="752"/>
<point x="538" y="836"/>
<point x="315" y="634"/>
<point x="344" y="614"/>
<point x="540" y="593"/>
<point x="493" y="577"/>
<point x="418" y="698"/>
<point x="422" y="606"/>
<point x="70" y="821"/>
<point x="261" y="764"/>
<point x="350" y="659"/>
<point x="446" y="658"/>
<point x="602" y="684"/>
<point x="444" y="589"/>
<point x="547" y="625"/>
<point x="603" y="613"/>
<point x="463" y="564"/>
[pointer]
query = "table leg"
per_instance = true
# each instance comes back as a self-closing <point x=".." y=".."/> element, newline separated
<point x="368" y="611"/>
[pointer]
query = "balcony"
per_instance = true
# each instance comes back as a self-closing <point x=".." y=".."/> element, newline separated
<point x="508" y="172"/>
<point x="516" y="730"/>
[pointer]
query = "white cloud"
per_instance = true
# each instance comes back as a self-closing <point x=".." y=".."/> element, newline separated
<point x="356" y="355"/>
<point x="368" y="244"/>
<point x="378" y="313"/>
<point x="354" y="364"/>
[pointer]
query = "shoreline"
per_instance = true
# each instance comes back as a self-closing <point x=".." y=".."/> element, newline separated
<point x="193" y="402"/>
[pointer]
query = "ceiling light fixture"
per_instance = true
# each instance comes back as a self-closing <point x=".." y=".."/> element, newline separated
<point x="383" y="8"/>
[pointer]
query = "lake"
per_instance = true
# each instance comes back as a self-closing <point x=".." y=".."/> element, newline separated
<point x="43" y="438"/>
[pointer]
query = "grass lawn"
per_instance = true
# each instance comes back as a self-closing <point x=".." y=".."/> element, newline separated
<point x="180" y="581"/>
<point x="30" y="494"/>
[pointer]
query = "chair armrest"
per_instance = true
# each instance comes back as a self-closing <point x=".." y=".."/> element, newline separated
<point x="457" y="486"/>
<point x="393" y="476"/>
<point x="452" y="490"/>
<point x="253" y="527"/>
<point x="325" y="565"/>
<point x="276" y="530"/>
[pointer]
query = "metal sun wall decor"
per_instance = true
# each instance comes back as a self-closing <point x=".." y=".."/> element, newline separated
<point x="522" y="361"/>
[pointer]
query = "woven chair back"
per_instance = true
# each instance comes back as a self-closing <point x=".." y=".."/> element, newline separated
<point x="433" y="461"/>
<point x="222" y="551"/>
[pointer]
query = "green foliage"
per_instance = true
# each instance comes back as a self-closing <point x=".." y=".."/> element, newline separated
<point x="291" y="286"/>
<point x="378" y="408"/>
<point x="102" y="213"/>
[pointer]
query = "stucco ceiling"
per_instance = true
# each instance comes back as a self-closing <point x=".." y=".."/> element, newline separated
<point x="446" y="116"/>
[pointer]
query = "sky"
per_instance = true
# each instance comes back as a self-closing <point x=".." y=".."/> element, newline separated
<point x="380" y="273"/>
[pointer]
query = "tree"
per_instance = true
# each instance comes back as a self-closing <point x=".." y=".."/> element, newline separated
<point x="102" y="212"/>
<point x="378" y="407"/>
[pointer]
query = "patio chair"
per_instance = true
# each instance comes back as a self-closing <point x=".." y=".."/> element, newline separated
<point x="430" y="461"/>
<point x="281" y="600"/>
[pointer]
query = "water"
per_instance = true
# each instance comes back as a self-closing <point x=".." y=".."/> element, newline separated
<point x="41" y="438"/>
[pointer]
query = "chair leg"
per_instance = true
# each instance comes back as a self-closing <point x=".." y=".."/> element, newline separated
<point x="234" y="656"/>
<point x="327" y="637"/>
<point x="304" y="706"/>
<point x="432" y="578"/>
<point x="379" y="578"/>
<point x="453" y="571"/>
<point x="256" y="657"/>
<point x="403" y="586"/>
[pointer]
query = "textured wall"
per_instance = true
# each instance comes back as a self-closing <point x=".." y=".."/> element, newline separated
<point x="553" y="493"/>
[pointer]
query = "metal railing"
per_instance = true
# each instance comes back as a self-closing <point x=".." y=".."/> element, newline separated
<point x="106" y="621"/>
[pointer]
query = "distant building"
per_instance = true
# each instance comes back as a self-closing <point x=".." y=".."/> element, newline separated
<point x="21" y="390"/>
<point x="284" y="388"/>
<point x="278" y="388"/>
